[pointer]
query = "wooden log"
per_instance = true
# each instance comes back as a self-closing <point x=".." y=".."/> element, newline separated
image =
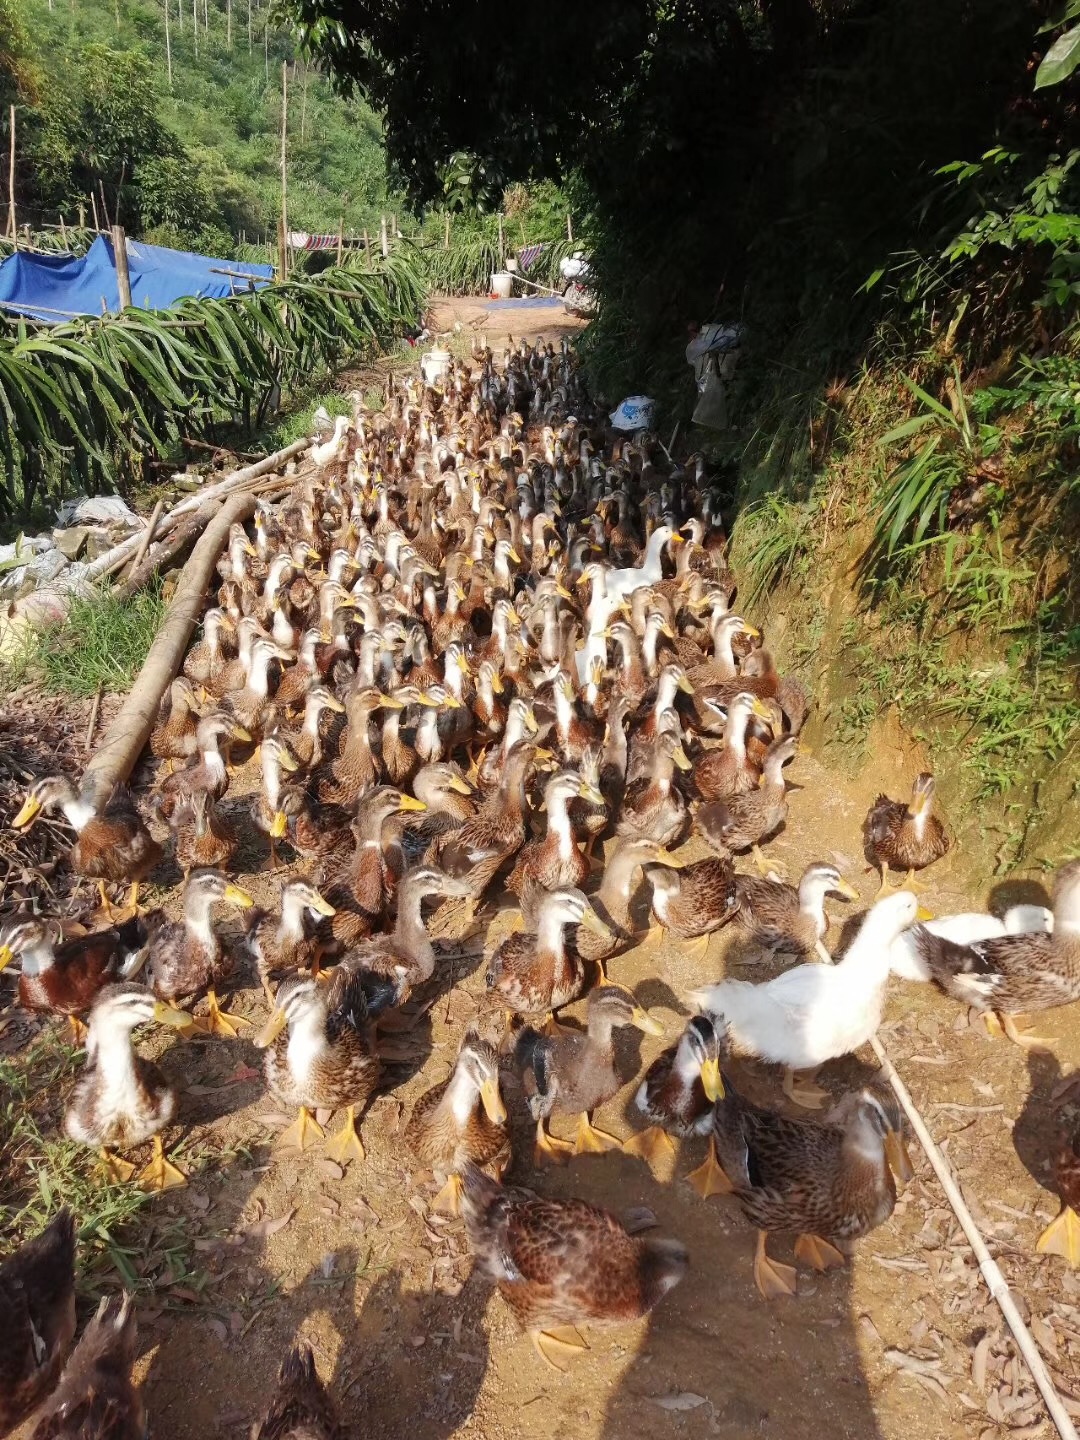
<point x="120" y="259"/>
<point x="165" y="551"/>
<point x="123" y="741"/>
<point x="147" y="536"/>
<point x="12" y="227"/>
<point x="239" y="479"/>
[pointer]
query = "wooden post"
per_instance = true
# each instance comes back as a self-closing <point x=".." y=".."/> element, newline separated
<point x="123" y="277"/>
<point x="104" y="202"/>
<point x="11" y="225"/>
<point x="93" y="203"/>
<point x="148" y="535"/>
<point x="340" y="239"/>
<point x="393" y="229"/>
<point x="284" y="179"/>
<point x="446" y="232"/>
<point x="168" y="43"/>
<point x="367" y="243"/>
<point x="569" y="228"/>
<point x="502" y="244"/>
<point x="382" y="236"/>
<point x="282" y="251"/>
<point x="303" y="105"/>
<point x="63" y="232"/>
<point x="82" y="216"/>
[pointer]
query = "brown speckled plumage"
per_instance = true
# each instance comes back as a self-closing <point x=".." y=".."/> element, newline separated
<point x="37" y="1318"/>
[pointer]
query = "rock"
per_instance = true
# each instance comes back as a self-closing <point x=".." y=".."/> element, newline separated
<point x="97" y="542"/>
<point x="71" y="541"/>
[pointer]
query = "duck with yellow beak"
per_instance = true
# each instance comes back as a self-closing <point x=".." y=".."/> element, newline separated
<point x="677" y="1096"/>
<point x="122" y="1099"/>
<point x="186" y="957"/>
<point x="462" y="1119"/>
<point x="831" y="1181"/>
<point x="575" y="1073"/>
<point x="321" y="1053"/>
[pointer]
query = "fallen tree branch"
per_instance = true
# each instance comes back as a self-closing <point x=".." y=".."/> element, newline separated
<point x="122" y="743"/>
<point x="178" y="539"/>
<point x="115" y="558"/>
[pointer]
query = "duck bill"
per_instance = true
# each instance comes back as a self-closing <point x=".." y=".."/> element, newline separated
<point x="333" y="704"/>
<point x="240" y="732"/>
<point x="592" y="922"/>
<point x="167" y="1015"/>
<point x="531" y="723"/>
<point x="271" y="1030"/>
<point x="665" y="857"/>
<point x="391" y="702"/>
<point x="922" y="913"/>
<point x="6" y="956"/>
<point x="514" y="556"/>
<point x="682" y="760"/>
<point x="409" y="802"/>
<point x="321" y="906"/>
<point x="848" y="891"/>
<point x="240" y="898"/>
<point x="497" y="686"/>
<point x="685" y="686"/>
<point x="712" y="1081"/>
<point x="494" y="1108"/>
<point x="31" y="809"/>
<point x="288" y="762"/>
<point x="896" y="1153"/>
<point x="279" y="826"/>
<point x="642" y="1020"/>
<point x="460" y="785"/>
<point x="591" y="794"/>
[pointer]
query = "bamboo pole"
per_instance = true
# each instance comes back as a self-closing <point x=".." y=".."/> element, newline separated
<point x="569" y="228"/>
<point x="988" y="1266"/>
<point x="93" y="203"/>
<point x="12" y="228"/>
<point x="249" y="28"/>
<point x="119" y="555"/>
<point x="284" y="175"/>
<point x="120" y="259"/>
<point x="340" y="240"/>
<point x="382" y="236"/>
<point x="147" y="537"/>
<point x="104" y="204"/>
<point x="502" y="244"/>
<point x="446" y="231"/>
<point x="122" y="743"/>
<point x="63" y="232"/>
<point x="168" y="44"/>
<point x="228" y="24"/>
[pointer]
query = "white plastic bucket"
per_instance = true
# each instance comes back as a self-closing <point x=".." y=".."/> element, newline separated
<point x="434" y="364"/>
<point x="502" y="284"/>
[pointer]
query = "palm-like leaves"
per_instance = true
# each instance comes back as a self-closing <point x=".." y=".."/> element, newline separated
<point x="81" y="404"/>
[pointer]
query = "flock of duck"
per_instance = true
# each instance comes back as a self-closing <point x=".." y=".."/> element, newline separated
<point x="479" y="639"/>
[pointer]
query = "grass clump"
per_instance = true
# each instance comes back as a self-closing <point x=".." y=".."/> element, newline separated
<point x="101" y="645"/>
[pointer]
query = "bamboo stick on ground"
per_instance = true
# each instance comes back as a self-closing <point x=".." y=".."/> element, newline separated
<point x="115" y="757"/>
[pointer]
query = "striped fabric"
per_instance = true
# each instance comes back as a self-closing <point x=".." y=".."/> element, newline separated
<point x="527" y="256"/>
<point x="301" y="240"/>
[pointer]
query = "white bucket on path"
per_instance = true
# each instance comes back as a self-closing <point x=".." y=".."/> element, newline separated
<point x="502" y="284"/>
<point x="434" y="364"/>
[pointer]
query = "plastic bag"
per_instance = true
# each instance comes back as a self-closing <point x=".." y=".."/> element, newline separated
<point x="711" y="408"/>
<point x="635" y="413"/>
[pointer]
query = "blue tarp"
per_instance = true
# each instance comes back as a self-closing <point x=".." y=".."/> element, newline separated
<point x="55" y="288"/>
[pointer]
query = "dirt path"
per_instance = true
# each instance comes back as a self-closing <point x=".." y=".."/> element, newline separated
<point x="471" y="315"/>
<point x="902" y="1342"/>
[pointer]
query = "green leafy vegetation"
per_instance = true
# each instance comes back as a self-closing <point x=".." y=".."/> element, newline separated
<point x="101" y="645"/>
<point x="87" y="401"/>
<point x="194" y="161"/>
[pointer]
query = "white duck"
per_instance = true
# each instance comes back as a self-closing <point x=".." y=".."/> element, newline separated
<point x="965" y="929"/>
<point x="814" y="1013"/>
<point x="327" y="451"/>
<point x="619" y="584"/>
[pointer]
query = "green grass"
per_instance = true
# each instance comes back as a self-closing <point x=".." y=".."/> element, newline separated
<point x="101" y="645"/>
<point x="124" y="1235"/>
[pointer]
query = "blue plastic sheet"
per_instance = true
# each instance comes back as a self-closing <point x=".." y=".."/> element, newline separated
<point x="55" y="288"/>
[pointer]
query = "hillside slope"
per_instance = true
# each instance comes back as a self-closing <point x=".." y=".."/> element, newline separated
<point x="196" y="158"/>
